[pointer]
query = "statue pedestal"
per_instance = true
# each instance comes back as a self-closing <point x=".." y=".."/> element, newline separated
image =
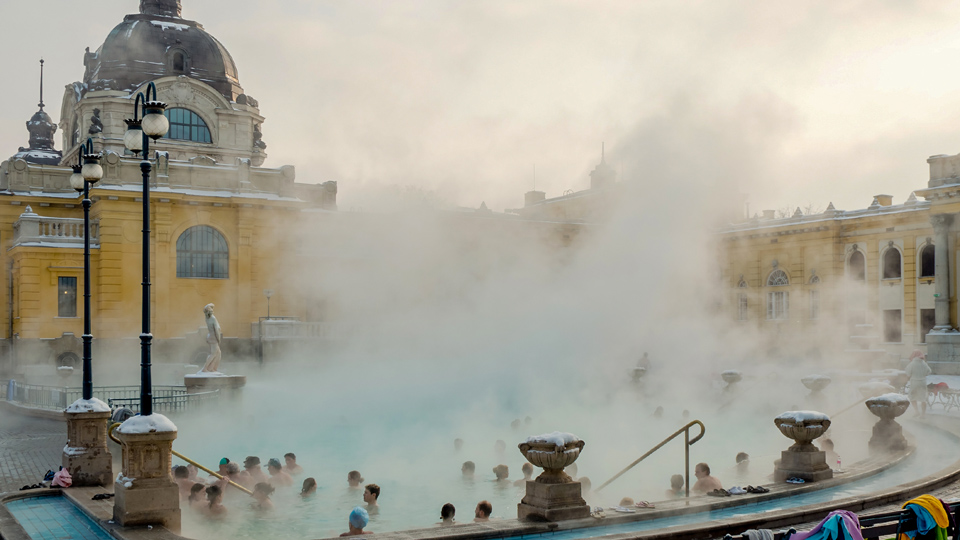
<point x="227" y="384"/>
<point x="552" y="502"/>
<point x="145" y="492"/>
<point x="86" y="455"/>
<point x="808" y="466"/>
<point x="887" y="437"/>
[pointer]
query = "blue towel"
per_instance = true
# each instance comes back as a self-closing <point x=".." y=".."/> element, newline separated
<point x="925" y="522"/>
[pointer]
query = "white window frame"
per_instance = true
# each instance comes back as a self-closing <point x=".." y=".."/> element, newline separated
<point x="778" y="305"/>
<point x="743" y="307"/>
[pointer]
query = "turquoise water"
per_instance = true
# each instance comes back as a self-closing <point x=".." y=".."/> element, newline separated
<point x="55" y="518"/>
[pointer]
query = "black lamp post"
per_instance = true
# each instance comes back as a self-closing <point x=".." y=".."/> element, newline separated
<point x="148" y="123"/>
<point x="86" y="172"/>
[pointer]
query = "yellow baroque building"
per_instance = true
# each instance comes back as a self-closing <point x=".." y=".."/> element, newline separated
<point x="224" y="229"/>
<point x="862" y="288"/>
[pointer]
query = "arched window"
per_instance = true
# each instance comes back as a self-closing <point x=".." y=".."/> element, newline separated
<point x="778" y="302"/>
<point x="927" y="261"/>
<point x="778" y="278"/>
<point x="179" y="62"/>
<point x="186" y="125"/>
<point x="857" y="267"/>
<point x="891" y="263"/>
<point x="202" y="253"/>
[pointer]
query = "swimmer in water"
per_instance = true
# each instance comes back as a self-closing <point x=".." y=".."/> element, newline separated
<point x="527" y="471"/>
<point x="482" y="512"/>
<point x="371" y="493"/>
<point x="357" y="521"/>
<point x="354" y="479"/>
<point x="447" y="512"/>
<point x="278" y="478"/>
<point x="309" y="487"/>
<point x="261" y="494"/>
<point x="291" y="467"/>
<point x="215" y="508"/>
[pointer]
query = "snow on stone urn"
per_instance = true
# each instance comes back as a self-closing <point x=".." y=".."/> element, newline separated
<point x="65" y="372"/>
<point x="802" y="460"/>
<point x="731" y="377"/>
<point x="552" y="452"/>
<point x="816" y="383"/>
<point x="887" y="433"/>
<point x="553" y="496"/>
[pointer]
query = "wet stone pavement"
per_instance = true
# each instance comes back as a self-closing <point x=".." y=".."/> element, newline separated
<point x="29" y="447"/>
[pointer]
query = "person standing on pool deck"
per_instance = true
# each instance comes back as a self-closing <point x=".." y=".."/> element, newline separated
<point x="705" y="482"/>
<point x="918" y="370"/>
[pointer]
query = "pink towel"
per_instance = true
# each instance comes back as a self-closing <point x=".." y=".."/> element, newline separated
<point x="62" y="479"/>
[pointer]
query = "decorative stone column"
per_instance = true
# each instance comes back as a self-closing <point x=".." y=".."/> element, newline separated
<point x="86" y="455"/>
<point x="941" y="228"/>
<point x="552" y="496"/>
<point x="887" y="433"/>
<point x="803" y="460"/>
<point x="145" y="492"/>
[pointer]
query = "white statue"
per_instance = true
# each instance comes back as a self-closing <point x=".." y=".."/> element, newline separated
<point x="214" y="336"/>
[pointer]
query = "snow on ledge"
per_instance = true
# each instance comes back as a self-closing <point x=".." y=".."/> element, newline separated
<point x="799" y="417"/>
<point x="147" y="424"/>
<point x="203" y="374"/>
<point x="88" y="405"/>
<point x="557" y="438"/>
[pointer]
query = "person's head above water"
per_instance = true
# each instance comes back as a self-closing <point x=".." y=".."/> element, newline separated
<point x="484" y="510"/>
<point x="262" y="491"/>
<point x="290" y="459"/>
<point x="354" y="478"/>
<point x="359" y="518"/>
<point x="251" y="462"/>
<point x="527" y="470"/>
<point x="626" y="502"/>
<point x="273" y="466"/>
<point x="309" y="486"/>
<point x="214" y="494"/>
<point x="371" y="493"/>
<point x="742" y="457"/>
<point x="468" y="468"/>
<point x="676" y="482"/>
<point x="195" y="491"/>
<point x="233" y="469"/>
<point x="501" y="472"/>
<point x="223" y="466"/>
<point x="180" y="472"/>
<point x="447" y="512"/>
<point x="702" y="470"/>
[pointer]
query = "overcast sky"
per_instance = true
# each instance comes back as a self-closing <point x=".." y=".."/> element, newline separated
<point x="825" y="100"/>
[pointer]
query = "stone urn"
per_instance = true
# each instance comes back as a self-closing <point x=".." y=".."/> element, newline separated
<point x="731" y="377"/>
<point x="887" y="433"/>
<point x="875" y="388"/>
<point x="638" y="373"/>
<point x="816" y="383"/>
<point x="802" y="460"/>
<point x="897" y="378"/>
<point x="552" y="453"/>
<point x="552" y="496"/>
<point x="65" y="372"/>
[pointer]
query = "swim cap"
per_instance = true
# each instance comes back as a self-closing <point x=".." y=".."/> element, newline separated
<point x="274" y="462"/>
<point x="224" y="461"/>
<point x="359" y="518"/>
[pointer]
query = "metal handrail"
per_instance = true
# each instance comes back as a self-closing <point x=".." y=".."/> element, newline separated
<point x="113" y="437"/>
<point x="686" y="450"/>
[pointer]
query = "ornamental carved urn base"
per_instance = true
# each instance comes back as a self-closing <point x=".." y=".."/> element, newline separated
<point x="145" y="491"/>
<point x="553" y="496"/>
<point x="887" y="433"/>
<point x="552" y="502"/>
<point x="86" y="455"/>
<point x="802" y="460"/>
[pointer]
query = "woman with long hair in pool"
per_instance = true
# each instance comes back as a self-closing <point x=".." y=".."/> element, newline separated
<point x="215" y="508"/>
<point x="195" y="500"/>
<point x="309" y="487"/>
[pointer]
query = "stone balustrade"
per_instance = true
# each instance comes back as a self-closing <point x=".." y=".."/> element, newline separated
<point x="35" y="230"/>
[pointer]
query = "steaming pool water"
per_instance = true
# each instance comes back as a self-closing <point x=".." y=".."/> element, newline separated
<point x="408" y="451"/>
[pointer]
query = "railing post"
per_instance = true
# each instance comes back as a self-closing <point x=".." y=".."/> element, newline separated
<point x="686" y="457"/>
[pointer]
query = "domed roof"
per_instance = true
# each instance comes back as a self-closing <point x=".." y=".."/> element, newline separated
<point x="156" y="43"/>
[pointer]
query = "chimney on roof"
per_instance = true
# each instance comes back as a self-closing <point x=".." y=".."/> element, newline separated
<point x="884" y="200"/>
<point x="531" y="198"/>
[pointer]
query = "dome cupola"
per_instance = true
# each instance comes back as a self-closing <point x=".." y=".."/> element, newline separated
<point x="157" y="43"/>
<point x="41" y="129"/>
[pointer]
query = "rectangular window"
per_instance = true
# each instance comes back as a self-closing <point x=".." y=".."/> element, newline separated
<point x="742" y="307"/>
<point x="67" y="296"/>
<point x="892" y="326"/>
<point x="815" y="304"/>
<point x="778" y="305"/>
<point x="928" y="320"/>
